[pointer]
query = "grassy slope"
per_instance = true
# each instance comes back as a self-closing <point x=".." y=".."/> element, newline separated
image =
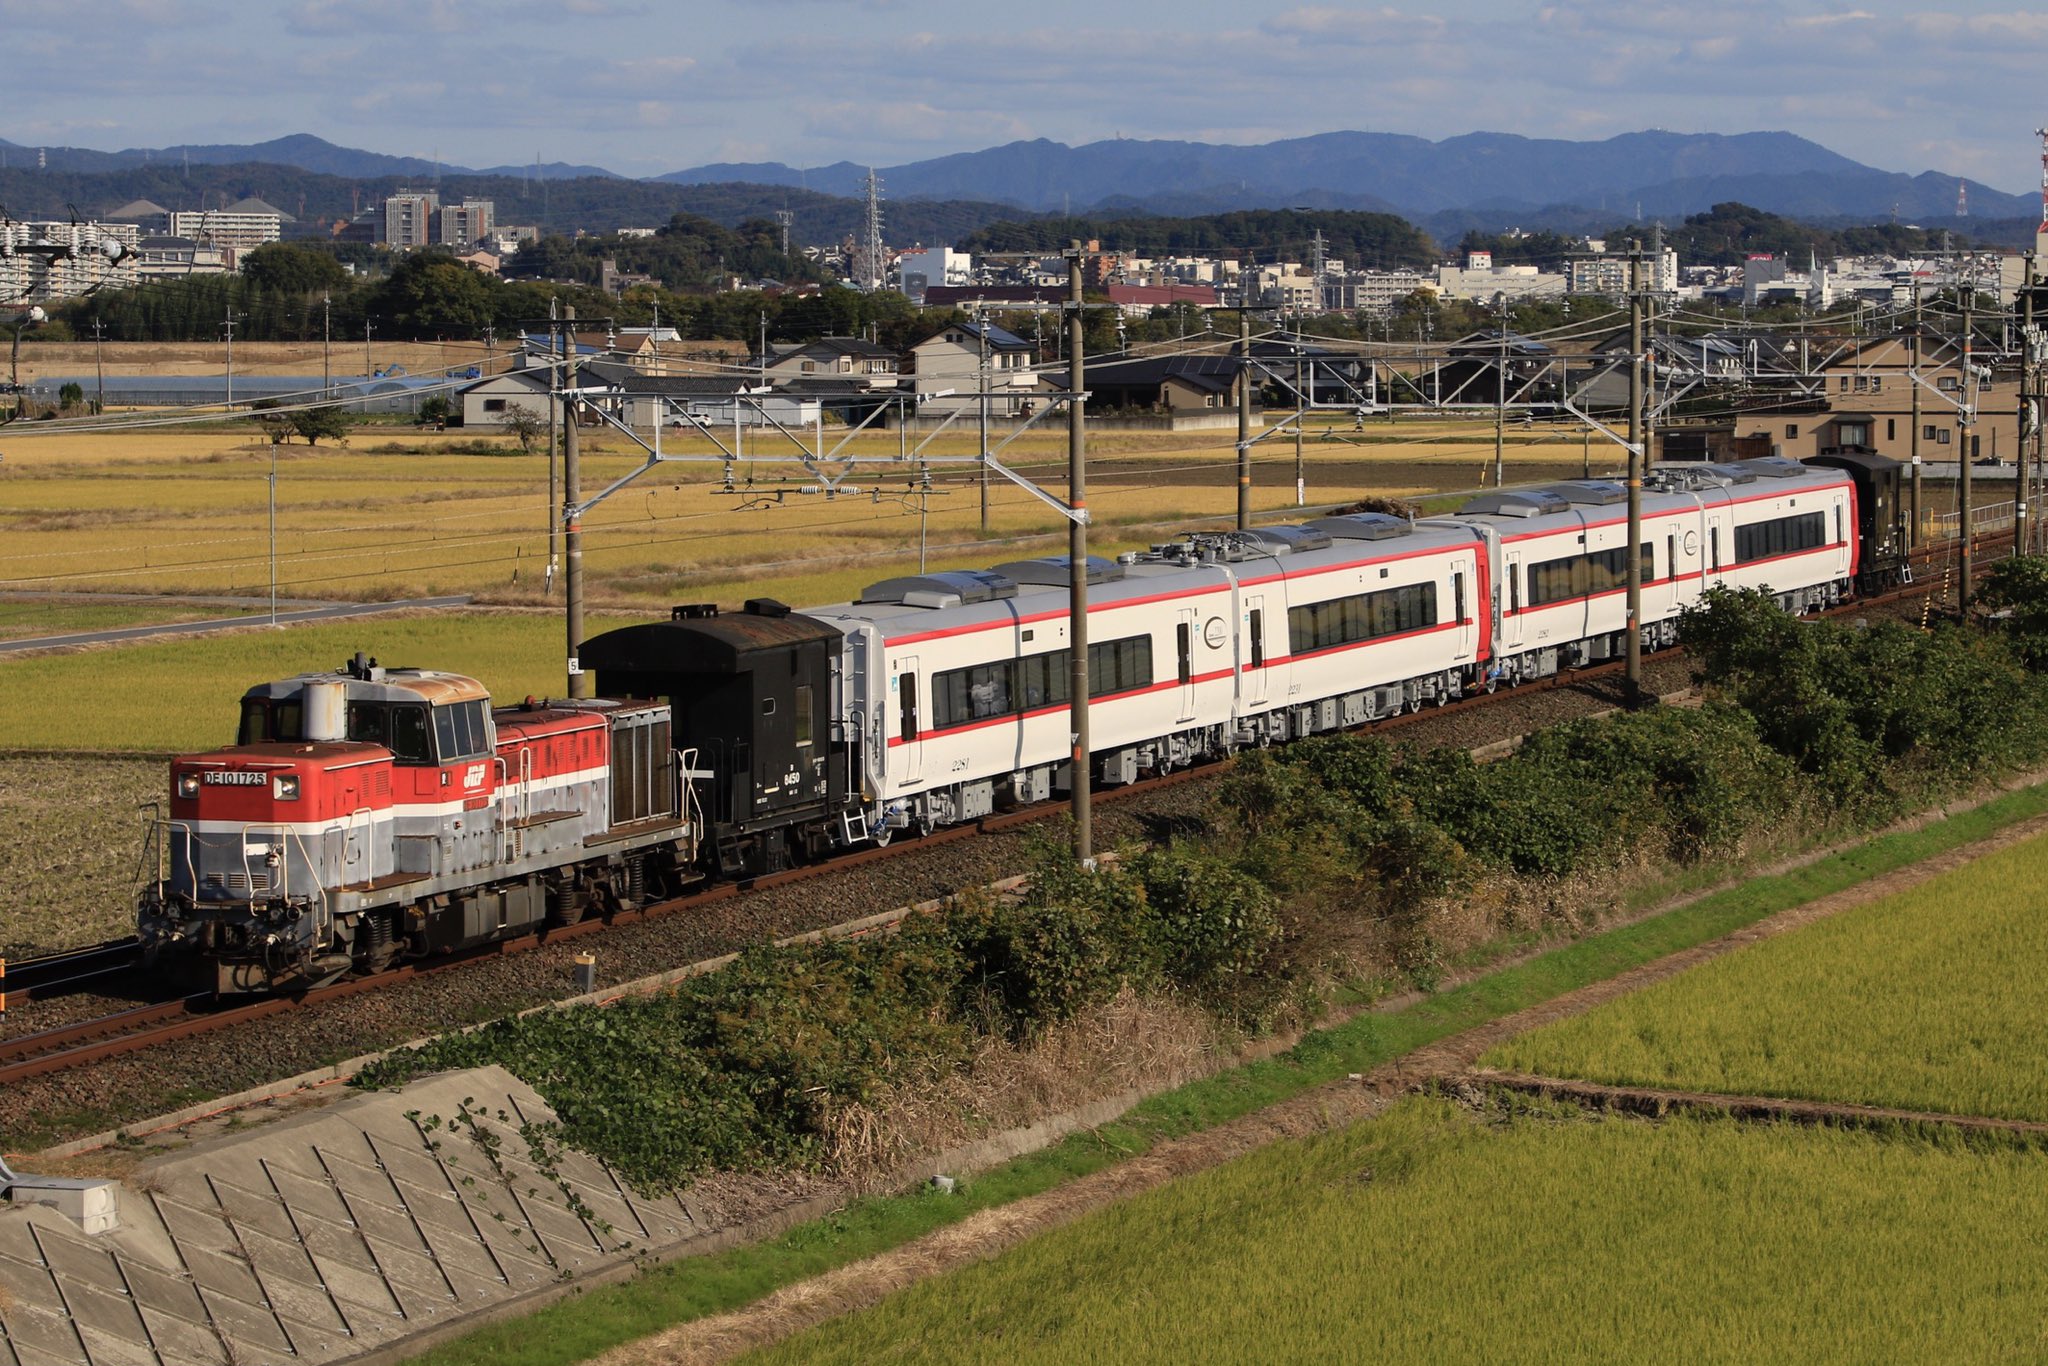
<point x="695" y="1287"/>
<point x="1427" y="1236"/>
<point x="1937" y="999"/>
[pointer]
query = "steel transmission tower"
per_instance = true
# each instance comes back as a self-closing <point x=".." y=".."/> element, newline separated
<point x="870" y="268"/>
<point x="785" y="217"/>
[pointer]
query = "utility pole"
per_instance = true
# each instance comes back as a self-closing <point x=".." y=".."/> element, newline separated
<point x="1913" y="447"/>
<point x="368" y="364"/>
<point x="1244" y="418"/>
<point x="572" y="529"/>
<point x="554" y="446"/>
<point x="1305" y="402"/>
<point x="1500" y="398"/>
<point x="1966" y="418"/>
<point x="229" y="327"/>
<point x="99" y="362"/>
<point x="981" y="327"/>
<point x="1078" y="776"/>
<point x="326" y="345"/>
<point x="2021" y="540"/>
<point x="1632" y="555"/>
<point x="273" y="533"/>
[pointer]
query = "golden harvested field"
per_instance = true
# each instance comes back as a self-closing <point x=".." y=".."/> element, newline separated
<point x="1934" y="998"/>
<point x="40" y="359"/>
<point x="401" y="513"/>
<point x="1432" y="1235"/>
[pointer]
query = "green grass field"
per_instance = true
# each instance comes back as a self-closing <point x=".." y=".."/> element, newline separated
<point x="1934" y="998"/>
<point x="1430" y="1236"/>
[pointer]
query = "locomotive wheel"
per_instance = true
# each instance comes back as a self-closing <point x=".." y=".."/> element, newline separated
<point x="566" y="906"/>
<point x="880" y="835"/>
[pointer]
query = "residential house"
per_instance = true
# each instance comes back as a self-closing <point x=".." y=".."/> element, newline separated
<point x="1164" y="384"/>
<point x="488" y="404"/>
<point x="717" y="402"/>
<point x="956" y="359"/>
<point x="849" y="360"/>
<point x="1862" y="394"/>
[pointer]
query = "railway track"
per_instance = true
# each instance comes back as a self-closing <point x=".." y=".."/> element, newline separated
<point x="59" y="974"/>
<point x="130" y="1031"/>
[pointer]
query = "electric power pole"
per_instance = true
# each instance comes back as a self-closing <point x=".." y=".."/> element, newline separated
<point x="99" y="362"/>
<point x="1244" y="419"/>
<point x="1078" y="778"/>
<point x="1500" y="400"/>
<point x="326" y="345"/>
<point x="229" y="330"/>
<point x="981" y="328"/>
<point x="1632" y="555"/>
<point x="1966" y="418"/>
<point x="368" y="364"/>
<point x="1304" y="401"/>
<point x="572" y="528"/>
<point x="2021" y="540"/>
<point x="1913" y="445"/>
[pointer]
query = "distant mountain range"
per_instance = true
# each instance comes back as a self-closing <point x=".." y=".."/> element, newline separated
<point x="302" y="150"/>
<point x="1665" y="174"/>
<point x="1485" y="180"/>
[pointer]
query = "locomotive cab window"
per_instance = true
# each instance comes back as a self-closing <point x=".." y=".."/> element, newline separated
<point x="265" y="720"/>
<point x="461" y="731"/>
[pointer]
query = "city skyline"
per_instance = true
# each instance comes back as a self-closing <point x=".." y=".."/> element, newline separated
<point x="643" y="89"/>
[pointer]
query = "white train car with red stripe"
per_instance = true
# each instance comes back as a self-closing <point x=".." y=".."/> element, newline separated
<point x="371" y="814"/>
<point x="1767" y="524"/>
<point x="375" y="813"/>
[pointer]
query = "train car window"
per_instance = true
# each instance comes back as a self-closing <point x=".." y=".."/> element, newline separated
<point x="1184" y="643"/>
<point x="1119" y="665"/>
<point x="448" y="744"/>
<point x="1671" y="556"/>
<point x="1458" y="595"/>
<point x="411" y="740"/>
<point x="803" y="716"/>
<point x="255" y="722"/>
<point x="369" y="723"/>
<point x="907" y="699"/>
<point x="1713" y="547"/>
<point x="1780" y="536"/>
<point x="1367" y="616"/>
<point x="1258" y="633"/>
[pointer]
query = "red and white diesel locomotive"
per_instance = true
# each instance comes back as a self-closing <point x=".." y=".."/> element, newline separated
<point x="373" y="812"/>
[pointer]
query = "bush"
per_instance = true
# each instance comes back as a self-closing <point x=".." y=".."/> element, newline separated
<point x="1215" y="929"/>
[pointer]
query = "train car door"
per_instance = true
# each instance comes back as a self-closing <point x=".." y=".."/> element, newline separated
<point x="1511" y="601"/>
<point x="1184" y="656"/>
<point x="910" y="723"/>
<point x="1255" y="650"/>
<point x="1461" y="612"/>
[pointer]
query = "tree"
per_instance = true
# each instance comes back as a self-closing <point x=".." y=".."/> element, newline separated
<point x="313" y="423"/>
<point x="436" y="409"/>
<point x="286" y="269"/>
<point x="70" y="396"/>
<point x="525" y="424"/>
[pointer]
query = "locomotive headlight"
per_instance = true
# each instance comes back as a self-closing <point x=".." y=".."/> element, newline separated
<point x="285" y="787"/>
<point x="188" y="784"/>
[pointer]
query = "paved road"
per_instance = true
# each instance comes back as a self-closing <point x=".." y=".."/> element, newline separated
<point x="185" y="628"/>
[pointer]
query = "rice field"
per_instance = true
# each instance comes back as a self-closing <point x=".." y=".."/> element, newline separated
<point x="402" y="513"/>
<point x="1431" y="1235"/>
<point x="1934" y="998"/>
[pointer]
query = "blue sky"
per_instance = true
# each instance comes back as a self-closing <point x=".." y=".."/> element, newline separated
<point x="643" y="86"/>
